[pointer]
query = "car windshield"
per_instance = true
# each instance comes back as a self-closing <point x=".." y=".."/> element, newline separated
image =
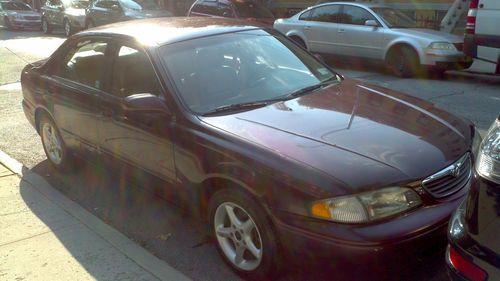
<point x="15" y="6"/>
<point x="140" y="4"/>
<point x="394" y="18"/>
<point x="240" y="68"/>
<point x="252" y="10"/>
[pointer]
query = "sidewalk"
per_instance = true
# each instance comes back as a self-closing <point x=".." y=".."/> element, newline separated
<point x="46" y="236"/>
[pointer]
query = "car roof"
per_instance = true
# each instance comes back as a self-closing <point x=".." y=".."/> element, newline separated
<point x="166" y="30"/>
<point x="368" y="5"/>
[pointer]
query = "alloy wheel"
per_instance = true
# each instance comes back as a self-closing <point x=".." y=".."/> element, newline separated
<point x="52" y="143"/>
<point x="238" y="236"/>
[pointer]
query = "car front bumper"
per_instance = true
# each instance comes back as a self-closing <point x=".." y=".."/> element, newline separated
<point x="421" y="233"/>
<point x="452" y="61"/>
<point x="467" y="246"/>
<point x="22" y="23"/>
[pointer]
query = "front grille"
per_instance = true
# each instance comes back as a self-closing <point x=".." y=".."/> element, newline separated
<point x="449" y="180"/>
<point x="459" y="46"/>
<point x="31" y="17"/>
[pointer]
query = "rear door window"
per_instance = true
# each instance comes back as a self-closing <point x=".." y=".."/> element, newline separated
<point x="85" y="63"/>
<point x="330" y="13"/>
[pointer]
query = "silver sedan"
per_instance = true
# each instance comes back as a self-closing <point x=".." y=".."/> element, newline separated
<point x="18" y="15"/>
<point x="372" y="31"/>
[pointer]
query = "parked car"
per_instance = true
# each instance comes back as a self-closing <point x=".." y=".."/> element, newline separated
<point x="241" y="9"/>
<point x="66" y="14"/>
<point x="474" y="249"/>
<point x="280" y="154"/>
<point x="373" y="31"/>
<point x="108" y="11"/>
<point x="482" y="38"/>
<point x="18" y="15"/>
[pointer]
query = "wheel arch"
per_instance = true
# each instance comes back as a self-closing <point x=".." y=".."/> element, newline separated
<point x="39" y="112"/>
<point x="296" y="34"/>
<point x="404" y="43"/>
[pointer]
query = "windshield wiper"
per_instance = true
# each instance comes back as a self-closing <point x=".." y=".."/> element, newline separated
<point x="237" y="106"/>
<point x="309" y="89"/>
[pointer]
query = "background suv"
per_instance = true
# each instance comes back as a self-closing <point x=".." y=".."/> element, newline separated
<point x="107" y="11"/>
<point x="70" y="15"/>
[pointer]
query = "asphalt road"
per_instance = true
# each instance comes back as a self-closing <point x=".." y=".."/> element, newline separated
<point x="168" y="231"/>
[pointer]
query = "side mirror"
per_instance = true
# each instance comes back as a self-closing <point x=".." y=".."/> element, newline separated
<point x="373" y="23"/>
<point x="60" y="8"/>
<point x="145" y="103"/>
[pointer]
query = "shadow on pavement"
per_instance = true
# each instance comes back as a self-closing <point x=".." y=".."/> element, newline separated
<point x="174" y="236"/>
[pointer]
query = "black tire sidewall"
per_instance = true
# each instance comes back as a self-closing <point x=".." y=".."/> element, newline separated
<point x="65" y="163"/>
<point x="67" y="22"/>
<point x="49" y="30"/>
<point x="410" y="62"/>
<point x="270" y="259"/>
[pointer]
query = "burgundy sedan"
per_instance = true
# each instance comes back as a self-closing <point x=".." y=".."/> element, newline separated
<point x="280" y="154"/>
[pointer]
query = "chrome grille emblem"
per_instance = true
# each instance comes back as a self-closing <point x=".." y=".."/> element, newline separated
<point x="450" y="179"/>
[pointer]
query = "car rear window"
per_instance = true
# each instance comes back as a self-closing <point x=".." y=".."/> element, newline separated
<point x="252" y="10"/>
<point x="15" y="6"/>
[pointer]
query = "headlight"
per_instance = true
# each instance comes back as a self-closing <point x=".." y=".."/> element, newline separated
<point x="367" y="206"/>
<point x="488" y="158"/>
<point x="476" y="142"/>
<point x="442" y="46"/>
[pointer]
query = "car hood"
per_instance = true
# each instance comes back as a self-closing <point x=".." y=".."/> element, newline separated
<point x="362" y="135"/>
<point x="431" y="35"/>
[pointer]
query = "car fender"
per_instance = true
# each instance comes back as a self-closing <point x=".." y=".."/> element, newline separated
<point x="408" y="42"/>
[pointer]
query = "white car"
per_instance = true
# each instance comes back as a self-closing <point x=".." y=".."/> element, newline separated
<point x="482" y="36"/>
<point x="373" y="31"/>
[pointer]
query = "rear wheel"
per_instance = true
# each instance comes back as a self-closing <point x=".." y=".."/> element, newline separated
<point x="46" y="27"/>
<point x="403" y="61"/>
<point x="89" y="24"/>
<point x="54" y="146"/>
<point x="8" y="24"/>
<point x="243" y="234"/>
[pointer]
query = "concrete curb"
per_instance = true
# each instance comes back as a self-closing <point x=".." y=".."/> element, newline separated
<point x="130" y="249"/>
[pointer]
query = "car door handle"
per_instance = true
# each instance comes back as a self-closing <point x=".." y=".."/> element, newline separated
<point x="341" y="31"/>
<point x="307" y="28"/>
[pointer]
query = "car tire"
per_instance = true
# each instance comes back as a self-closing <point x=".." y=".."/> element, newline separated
<point x="46" y="27"/>
<point x="89" y="24"/>
<point x="55" y="149"/>
<point x="403" y="62"/>
<point x="68" y="29"/>
<point x="8" y="24"/>
<point x="243" y="235"/>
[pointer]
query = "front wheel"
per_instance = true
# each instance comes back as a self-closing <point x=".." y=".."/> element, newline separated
<point x="68" y="29"/>
<point x="403" y="62"/>
<point x="8" y="24"/>
<point x="243" y="234"/>
<point x="46" y="27"/>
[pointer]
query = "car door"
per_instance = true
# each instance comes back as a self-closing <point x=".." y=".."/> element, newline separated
<point x="72" y="88"/>
<point x="357" y="39"/>
<point x="204" y="8"/>
<point x="321" y="29"/>
<point x="48" y="11"/>
<point x="142" y="139"/>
